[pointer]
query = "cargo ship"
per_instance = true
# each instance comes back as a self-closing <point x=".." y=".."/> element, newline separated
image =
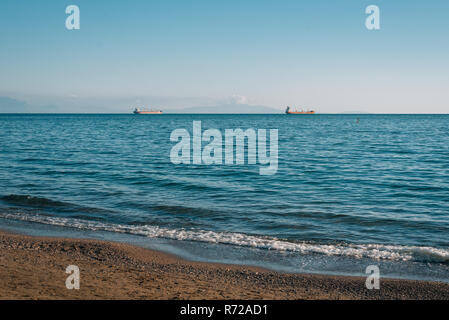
<point x="146" y="111"/>
<point x="288" y="111"/>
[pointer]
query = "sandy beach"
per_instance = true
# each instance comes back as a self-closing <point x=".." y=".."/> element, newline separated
<point x="34" y="268"/>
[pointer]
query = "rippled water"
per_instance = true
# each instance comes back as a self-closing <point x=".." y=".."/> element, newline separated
<point x="348" y="186"/>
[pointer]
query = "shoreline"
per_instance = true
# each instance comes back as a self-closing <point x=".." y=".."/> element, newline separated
<point x="34" y="268"/>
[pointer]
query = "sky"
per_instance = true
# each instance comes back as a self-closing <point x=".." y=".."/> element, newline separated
<point x="189" y="53"/>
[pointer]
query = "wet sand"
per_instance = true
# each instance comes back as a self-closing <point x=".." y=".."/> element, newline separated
<point x="34" y="268"/>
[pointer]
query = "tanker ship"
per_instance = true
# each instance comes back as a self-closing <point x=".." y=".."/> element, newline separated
<point x="146" y="111"/>
<point x="288" y="111"/>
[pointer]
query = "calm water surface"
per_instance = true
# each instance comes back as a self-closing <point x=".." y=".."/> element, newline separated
<point x="350" y="190"/>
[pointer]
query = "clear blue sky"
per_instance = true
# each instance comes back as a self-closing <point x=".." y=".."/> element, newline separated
<point x="273" y="53"/>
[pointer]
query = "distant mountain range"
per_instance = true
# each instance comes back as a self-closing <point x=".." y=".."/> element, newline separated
<point x="8" y="105"/>
<point x="123" y="105"/>
<point x="228" y="108"/>
<point x="11" y="105"/>
<point x="120" y="105"/>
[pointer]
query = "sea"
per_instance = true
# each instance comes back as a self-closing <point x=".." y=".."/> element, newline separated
<point x="350" y="191"/>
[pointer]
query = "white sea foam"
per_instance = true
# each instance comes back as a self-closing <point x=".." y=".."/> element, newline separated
<point x="373" y="251"/>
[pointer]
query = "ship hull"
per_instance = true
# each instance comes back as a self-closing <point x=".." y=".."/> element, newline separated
<point x="147" y="112"/>
<point x="300" y="112"/>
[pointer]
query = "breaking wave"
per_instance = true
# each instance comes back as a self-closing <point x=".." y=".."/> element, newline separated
<point x="373" y="251"/>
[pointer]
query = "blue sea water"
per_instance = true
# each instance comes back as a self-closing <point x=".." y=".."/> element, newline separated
<point x="350" y="190"/>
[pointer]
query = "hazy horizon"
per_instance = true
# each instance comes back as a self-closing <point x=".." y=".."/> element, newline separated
<point x="14" y="106"/>
<point x="119" y="105"/>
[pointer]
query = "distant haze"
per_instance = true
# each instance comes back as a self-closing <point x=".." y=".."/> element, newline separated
<point x="124" y="105"/>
